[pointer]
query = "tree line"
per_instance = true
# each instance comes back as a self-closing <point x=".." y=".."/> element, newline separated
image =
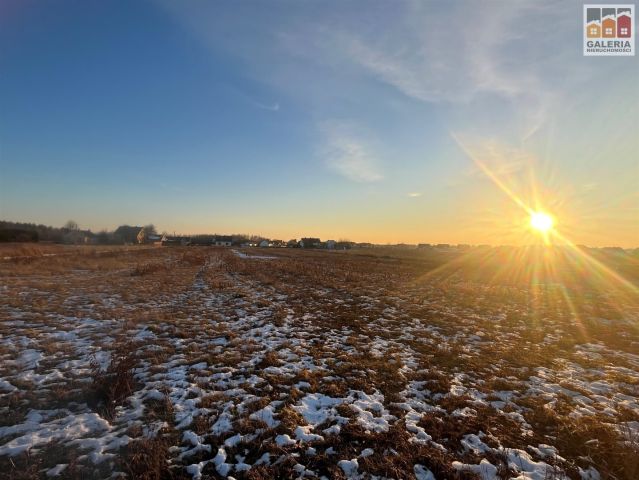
<point x="70" y="233"/>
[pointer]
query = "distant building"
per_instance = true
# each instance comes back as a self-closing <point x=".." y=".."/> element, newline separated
<point x="264" y="243"/>
<point x="174" y="241"/>
<point x="202" y="240"/>
<point x="223" y="241"/>
<point x="330" y="244"/>
<point x="343" y="245"/>
<point x="145" y="237"/>
<point x="310" y="242"/>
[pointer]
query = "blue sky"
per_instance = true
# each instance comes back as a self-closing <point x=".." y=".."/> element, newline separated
<point x="339" y="119"/>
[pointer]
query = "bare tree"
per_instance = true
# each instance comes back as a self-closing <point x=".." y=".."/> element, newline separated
<point x="72" y="225"/>
<point x="150" y="229"/>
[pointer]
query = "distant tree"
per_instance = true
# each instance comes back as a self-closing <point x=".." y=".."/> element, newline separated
<point x="310" y="242"/>
<point x="103" y="237"/>
<point x="18" y="235"/>
<point x="344" y="245"/>
<point x="202" y="239"/>
<point x="71" y="225"/>
<point x="240" y="238"/>
<point x="73" y="237"/>
<point x="150" y="229"/>
<point x="70" y="233"/>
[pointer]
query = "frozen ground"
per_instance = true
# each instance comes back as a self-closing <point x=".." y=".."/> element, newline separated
<point x="212" y="363"/>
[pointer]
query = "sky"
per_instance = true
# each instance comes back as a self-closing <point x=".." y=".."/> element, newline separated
<point x="388" y="122"/>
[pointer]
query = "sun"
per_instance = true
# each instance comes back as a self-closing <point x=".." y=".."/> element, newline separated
<point x="542" y="222"/>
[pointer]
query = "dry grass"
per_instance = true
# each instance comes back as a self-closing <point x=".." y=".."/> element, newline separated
<point x="113" y="385"/>
<point x="147" y="459"/>
<point x="454" y="333"/>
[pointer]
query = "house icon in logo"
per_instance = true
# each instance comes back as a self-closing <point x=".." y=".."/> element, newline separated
<point x="624" y="23"/>
<point x="593" y="22"/>
<point x="609" y="23"/>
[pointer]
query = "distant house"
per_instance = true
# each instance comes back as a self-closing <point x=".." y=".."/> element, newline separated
<point x="174" y="241"/>
<point x="330" y="244"/>
<point x="145" y="237"/>
<point x="223" y="241"/>
<point x="264" y="243"/>
<point x="202" y="240"/>
<point x="310" y="242"/>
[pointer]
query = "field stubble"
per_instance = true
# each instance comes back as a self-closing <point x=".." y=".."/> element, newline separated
<point x="207" y="363"/>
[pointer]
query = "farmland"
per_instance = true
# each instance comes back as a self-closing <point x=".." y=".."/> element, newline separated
<point x="200" y="362"/>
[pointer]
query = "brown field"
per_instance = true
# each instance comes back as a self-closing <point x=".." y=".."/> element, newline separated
<point x="15" y="251"/>
<point x="196" y="362"/>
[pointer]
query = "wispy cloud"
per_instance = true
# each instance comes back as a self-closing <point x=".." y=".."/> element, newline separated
<point x="415" y="194"/>
<point x="347" y="153"/>
<point x="494" y="54"/>
<point x="488" y="60"/>
<point x="502" y="159"/>
<point x="264" y="106"/>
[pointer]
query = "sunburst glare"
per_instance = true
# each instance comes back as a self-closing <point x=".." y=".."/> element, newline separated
<point x="542" y="222"/>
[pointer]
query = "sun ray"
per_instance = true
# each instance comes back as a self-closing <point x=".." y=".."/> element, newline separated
<point x="544" y="224"/>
